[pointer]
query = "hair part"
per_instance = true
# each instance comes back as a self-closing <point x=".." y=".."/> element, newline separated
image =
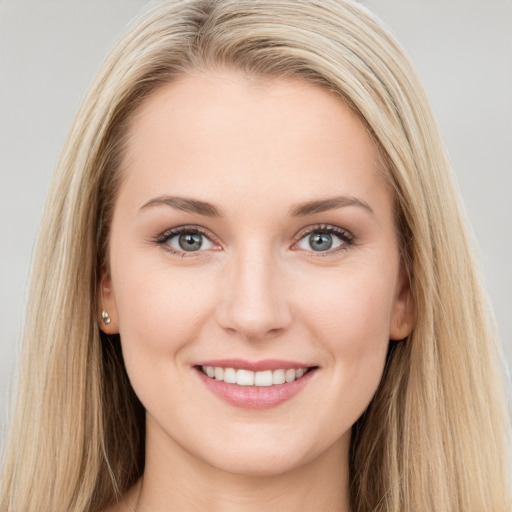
<point x="434" y="436"/>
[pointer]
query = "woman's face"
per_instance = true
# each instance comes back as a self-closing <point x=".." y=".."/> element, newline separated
<point x="252" y="240"/>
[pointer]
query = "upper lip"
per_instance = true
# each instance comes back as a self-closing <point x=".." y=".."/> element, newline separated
<point x="255" y="366"/>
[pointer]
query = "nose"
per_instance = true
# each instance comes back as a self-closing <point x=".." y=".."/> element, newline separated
<point x="254" y="304"/>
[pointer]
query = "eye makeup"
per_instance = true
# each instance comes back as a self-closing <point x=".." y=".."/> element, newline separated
<point x="319" y="240"/>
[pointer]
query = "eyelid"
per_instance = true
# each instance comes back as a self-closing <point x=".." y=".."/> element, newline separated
<point x="344" y="235"/>
<point x="165" y="236"/>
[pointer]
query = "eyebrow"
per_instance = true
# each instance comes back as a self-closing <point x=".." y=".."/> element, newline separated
<point x="190" y="205"/>
<point x="186" y="204"/>
<point x="323" y="205"/>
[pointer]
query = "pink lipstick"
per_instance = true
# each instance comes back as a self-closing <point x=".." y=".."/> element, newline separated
<point x="254" y="385"/>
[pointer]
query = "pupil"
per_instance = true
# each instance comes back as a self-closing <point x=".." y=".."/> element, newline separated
<point x="320" y="241"/>
<point x="190" y="241"/>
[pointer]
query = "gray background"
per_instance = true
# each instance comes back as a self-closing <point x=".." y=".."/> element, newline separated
<point x="50" y="50"/>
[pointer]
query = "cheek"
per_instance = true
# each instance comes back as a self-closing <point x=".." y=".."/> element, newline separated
<point x="349" y="319"/>
<point x="160" y="308"/>
<point x="160" y="313"/>
<point x="354" y="306"/>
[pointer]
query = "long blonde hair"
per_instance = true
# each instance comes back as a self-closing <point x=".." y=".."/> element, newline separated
<point x="435" y="436"/>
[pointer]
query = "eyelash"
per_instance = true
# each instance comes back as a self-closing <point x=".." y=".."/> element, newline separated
<point x="171" y="233"/>
<point x="346" y="238"/>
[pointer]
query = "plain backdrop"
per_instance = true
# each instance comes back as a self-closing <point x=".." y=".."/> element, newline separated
<point x="50" y="50"/>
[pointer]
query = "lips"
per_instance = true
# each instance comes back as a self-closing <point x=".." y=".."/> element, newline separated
<point x="255" y="385"/>
<point x="243" y="377"/>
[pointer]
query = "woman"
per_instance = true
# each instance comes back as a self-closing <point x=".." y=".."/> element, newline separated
<point x="246" y="292"/>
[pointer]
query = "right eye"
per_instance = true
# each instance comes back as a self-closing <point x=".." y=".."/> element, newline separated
<point x="186" y="240"/>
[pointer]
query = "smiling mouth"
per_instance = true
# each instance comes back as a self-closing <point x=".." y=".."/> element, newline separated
<point x="264" y="378"/>
<point x="255" y="384"/>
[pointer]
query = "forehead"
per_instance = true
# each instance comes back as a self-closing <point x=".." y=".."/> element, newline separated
<point x="207" y="133"/>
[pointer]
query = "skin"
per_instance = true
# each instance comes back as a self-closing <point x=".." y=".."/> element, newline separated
<point x="256" y="289"/>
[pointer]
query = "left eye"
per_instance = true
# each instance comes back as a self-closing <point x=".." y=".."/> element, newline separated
<point x="321" y="241"/>
<point x="189" y="241"/>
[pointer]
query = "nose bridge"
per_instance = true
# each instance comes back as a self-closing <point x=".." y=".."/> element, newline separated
<point x="254" y="304"/>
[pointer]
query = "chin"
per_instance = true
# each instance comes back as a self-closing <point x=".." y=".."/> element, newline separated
<point x="263" y="464"/>
<point x="268" y="453"/>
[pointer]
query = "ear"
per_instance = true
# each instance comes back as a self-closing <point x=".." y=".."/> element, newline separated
<point x="107" y="304"/>
<point x="402" y="316"/>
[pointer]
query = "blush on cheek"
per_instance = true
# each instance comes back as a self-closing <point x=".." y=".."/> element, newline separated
<point x="161" y="304"/>
<point x="354" y="330"/>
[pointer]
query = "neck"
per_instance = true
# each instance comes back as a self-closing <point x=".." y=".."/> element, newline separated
<point x="175" y="479"/>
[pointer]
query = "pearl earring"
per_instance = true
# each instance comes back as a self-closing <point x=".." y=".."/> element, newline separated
<point x="105" y="317"/>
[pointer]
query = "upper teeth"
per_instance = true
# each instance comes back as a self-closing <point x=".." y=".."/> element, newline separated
<point x="250" y="378"/>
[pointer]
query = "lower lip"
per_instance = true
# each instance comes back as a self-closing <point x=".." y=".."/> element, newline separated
<point x="256" y="397"/>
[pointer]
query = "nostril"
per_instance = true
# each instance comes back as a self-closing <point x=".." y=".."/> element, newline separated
<point x="253" y="306"/>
